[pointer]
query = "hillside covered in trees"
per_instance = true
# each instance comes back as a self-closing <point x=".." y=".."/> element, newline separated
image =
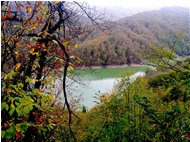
<point x="39" y="57"/>
<point x="129" y="38"/>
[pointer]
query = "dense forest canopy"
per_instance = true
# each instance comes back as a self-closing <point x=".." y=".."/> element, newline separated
<point x="128" y="39"/>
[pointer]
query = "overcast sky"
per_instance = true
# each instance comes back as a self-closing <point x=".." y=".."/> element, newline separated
<point x="139" y="3"/>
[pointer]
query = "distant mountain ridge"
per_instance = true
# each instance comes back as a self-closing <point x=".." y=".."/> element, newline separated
<point x="131" y="35"/>
<point x="116" y="12"/>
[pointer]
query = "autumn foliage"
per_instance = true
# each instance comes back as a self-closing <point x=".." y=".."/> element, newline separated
<point x="36" y="44"/>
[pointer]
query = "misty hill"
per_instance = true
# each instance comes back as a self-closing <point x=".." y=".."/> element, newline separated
<point x="131" y="36"/>
<point x="116" y="12"/>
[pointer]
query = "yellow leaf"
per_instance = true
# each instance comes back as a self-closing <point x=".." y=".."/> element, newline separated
<point x="28" y="9"/>
<point x="46" y="33"/>
<point x="66" y="43"/>
<point x="35" y="53"/>
<point x="33" y="27"/>
<point x="56" y="2"/>
<point x="76" y="46"/>
<point x="17" y="54"/>
<point x="26" y="104"/>
<point x="50" y="97"/>
<point x="17" y="44"/>
<point x="39" y="92"/>
<point x="32" y="100"/>
<point x="17" y="67"/>
<point x="70" y="68"/>
<point x="32" y="51"/>
<point x="39" y="33"/>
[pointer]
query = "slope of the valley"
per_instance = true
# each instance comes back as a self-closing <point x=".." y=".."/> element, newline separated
<point x="131" y="36"/>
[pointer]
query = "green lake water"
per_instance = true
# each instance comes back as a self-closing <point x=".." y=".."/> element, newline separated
<point x="94" y="83"/>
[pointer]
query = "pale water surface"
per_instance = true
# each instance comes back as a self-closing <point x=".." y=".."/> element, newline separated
<point x="89" y="90"/>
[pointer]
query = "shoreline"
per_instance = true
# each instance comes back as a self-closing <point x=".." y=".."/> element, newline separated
<point x="112" y="66"/>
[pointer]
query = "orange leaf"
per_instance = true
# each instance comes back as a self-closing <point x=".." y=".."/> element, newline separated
<point x="28" y="9"/>
<point x="17" y="54"/>
<point x="39" y="2"/>
<point x="16" y="44"/>
<point x="34" y="26"/>
<point x="28" y="45"/>
<point x="3" y="18"/>
<point x="9" y="13"/>
<point x="17" y="67"/>
<point x="8" y="90"/>
<point x="18" y="135"/>
<point x="47" y="47"/>
<point x="26" y="104"/>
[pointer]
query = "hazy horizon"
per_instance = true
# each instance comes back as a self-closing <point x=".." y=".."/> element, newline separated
<point x="137" y="3"/>
<point x="118" y="9"/>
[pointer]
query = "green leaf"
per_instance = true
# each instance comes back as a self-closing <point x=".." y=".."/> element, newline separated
<point x="19" y="112"/>
<point x="10" y="133"/>
<point x="26" y="110"/>
<point x="21" y="85"/>
<point x="31" y="39"/>
<point x="23" y="126"/>
<point x="30" y="80"/>
<point x="3" y="134"/>
<point x="30" y="107"/>
<point x="27" y="79"/>
<point x="4" y="105"/>
<point x="15" y="87"/>
<point x="9" y="75"/>
<point x="36" y="105"/>
<point x="12" y="111"/>
<point x="50" y="126"/>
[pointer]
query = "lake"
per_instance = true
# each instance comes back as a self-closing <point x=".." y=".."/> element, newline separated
<point x="94" y="83"/>
<point x="89" y="90"/>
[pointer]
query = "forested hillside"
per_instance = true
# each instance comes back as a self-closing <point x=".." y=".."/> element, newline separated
<point x="131" y="36"/>
<point x="38" y="61"/>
